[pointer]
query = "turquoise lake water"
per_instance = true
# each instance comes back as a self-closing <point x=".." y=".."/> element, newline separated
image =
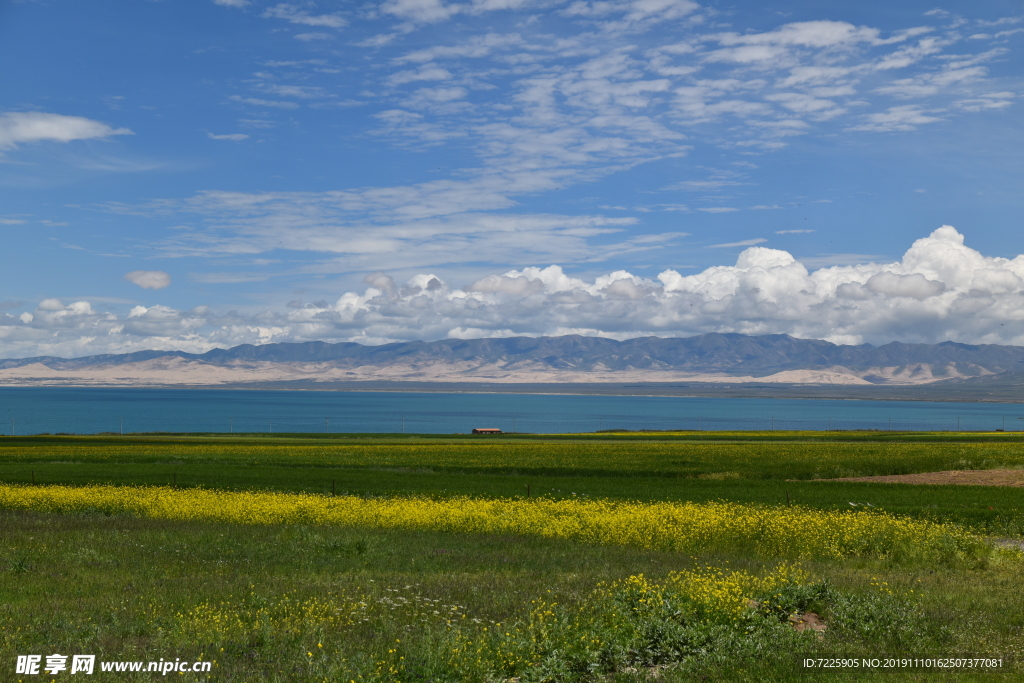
<point x="35" y="410"/>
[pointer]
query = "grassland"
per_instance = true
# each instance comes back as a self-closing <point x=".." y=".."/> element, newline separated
<point x="766" y="467"/>
<point x="304" y="597"/>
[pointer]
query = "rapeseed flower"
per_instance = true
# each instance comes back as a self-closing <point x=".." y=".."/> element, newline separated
<point x="796" y="532"/>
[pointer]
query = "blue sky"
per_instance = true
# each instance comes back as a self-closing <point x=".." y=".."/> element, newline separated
<point x="200" y="174"/>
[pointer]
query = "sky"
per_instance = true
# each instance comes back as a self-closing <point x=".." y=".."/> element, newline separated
<point x="201" y="174"/>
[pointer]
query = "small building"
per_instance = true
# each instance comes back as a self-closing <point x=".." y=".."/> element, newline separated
<point x="487" y="430"/>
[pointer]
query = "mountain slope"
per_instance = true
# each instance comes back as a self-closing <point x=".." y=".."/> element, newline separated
<point x="719" y="357"/>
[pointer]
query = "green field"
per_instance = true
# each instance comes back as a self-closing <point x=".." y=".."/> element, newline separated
<point x="753" y="467"/>
<point x="264" y="601"/>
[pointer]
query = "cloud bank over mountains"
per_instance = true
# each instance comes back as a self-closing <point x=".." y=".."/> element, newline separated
<point x="941" y="290"/>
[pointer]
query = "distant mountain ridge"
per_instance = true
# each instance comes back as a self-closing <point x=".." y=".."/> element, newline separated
<point x="715" y="354"/>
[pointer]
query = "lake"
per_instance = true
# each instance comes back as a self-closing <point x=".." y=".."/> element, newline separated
<point x="35" y="410"/>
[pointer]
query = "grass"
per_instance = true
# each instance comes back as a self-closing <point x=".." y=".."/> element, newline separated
<point x="797" y="456"/>
<point x="663" y="468"/>
<point x="281" y="602"/>
<point x="126" y="587"/>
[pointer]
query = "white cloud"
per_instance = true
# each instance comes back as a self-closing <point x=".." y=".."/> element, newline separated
<point x="702" y="185"/>
<point x="915" y="285"/>
<point x="744" y="243"/>
<point x="996" y="100"/>
<point x="316" y="35"/>
<point x="149" y="279"/>
<point x="1002" y="21"/>
<point x="940" y="290"/>
<point x="31" y="126"/>
<point x="931" y="84"/>
<point x="426" y="72"/>
<point x="628" y="14"/>
<point x="295" y="15"/>
<point x="435" y="97"/>
<point x="911" y="54"/>
<point x="160" y="321"/>
<point x="815" y="75"/>
<point x="475" y="47"/>
<point x="228" y="278"/>
<point x="237" y="137"/>
<point x="426" y="11"/>
<point x="606" y="92"/>
<point x="782" y="46"/>
<point x="817" y="108"/>
<point x="823" y="260"/>
<point x="428" y="225"/>
<point x="231" y="3"/>
<point x="50" y="305"/>
<point x="818" y="34"/>
<point x="907" y="117"/>
<point x="299" y="91"/>
<point x="276" y="104"/>
<point x="747" y="54"/>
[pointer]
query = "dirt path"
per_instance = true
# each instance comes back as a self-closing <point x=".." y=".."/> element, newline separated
<point x="964" y="477"/>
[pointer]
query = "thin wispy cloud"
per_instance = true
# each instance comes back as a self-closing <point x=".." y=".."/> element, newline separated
<point x="295" y="14"/>
<point x="742" y="243"/>
<point x="260" y="102"/>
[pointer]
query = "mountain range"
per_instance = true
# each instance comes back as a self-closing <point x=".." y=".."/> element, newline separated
<point x="715" y="358"/>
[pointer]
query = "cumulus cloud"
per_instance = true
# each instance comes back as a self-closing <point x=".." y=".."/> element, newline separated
<point x="149" y="279"/>
<point x="915" y="285"/>
<point x="32" y="126"/>
<point x="160" y="321"/>
<point x="940" y="290"/>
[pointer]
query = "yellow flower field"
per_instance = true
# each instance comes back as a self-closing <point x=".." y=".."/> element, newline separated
<point x="773" y="531"/>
